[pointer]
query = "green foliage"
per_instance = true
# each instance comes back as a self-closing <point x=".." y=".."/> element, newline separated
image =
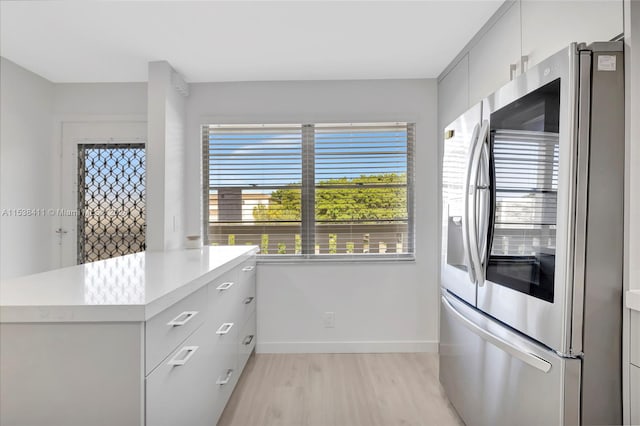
<point x="282" y="248"/>
<point x="264" y="244"/>
<point x="283" y="205"/>
<point x="231" y="240"/>
<point x="355" y="202"/>
<point x="298" y="244"/>
<point x="333" y="243"/>
<point x="350" y="247"/>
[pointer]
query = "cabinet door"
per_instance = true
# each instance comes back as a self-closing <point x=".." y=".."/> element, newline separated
<point x="549" y="26"/>
<point x="634" y="394"/>
<point x="453" y="93"/>
<point x="491" y="57"/>
<point x="165" y="331"/>
<point x="181" y="390"/>
<point x="247" y="341"/>
<point x="635" y="338"/>
<point x="226" y="371"/>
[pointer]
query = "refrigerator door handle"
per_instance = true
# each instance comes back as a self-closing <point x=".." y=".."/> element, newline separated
<point x="484" y="208"/>
<point x="472" y="206"/>
<point x="466" y="231"/>
<point x="524" y="356"/>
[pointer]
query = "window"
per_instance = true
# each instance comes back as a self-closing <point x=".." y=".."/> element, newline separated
<point x="111" y="200"/>
<point x="311" y="190"/>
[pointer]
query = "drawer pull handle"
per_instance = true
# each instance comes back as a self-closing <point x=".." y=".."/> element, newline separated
<point x="179" y="360"/>
<point x="248" y="268"/>
<point x="248" y="300"/>
<point x="226" y="379"/>
<point x="182" y="319"/>
<point x="225" y="286"/>
<point x="224" y="328"/>
<point x="247" y="340"/>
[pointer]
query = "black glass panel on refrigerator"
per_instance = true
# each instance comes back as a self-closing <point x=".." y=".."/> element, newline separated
<point x="524" y="174"/>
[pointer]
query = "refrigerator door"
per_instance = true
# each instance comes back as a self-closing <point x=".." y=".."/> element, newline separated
<point x="528" y="262"/>
<point x="460" y="138"/>
<point x="494" y="376"/>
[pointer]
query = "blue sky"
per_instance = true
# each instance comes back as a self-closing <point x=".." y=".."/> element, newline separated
<point x="337" y="155"/>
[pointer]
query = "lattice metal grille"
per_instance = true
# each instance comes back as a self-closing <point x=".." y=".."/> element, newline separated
<point x="111" y="200"/>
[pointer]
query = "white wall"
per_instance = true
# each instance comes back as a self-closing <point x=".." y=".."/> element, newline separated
<point x="26" y="154"/>
<point x="378" y="306"/>
<point x="33" y="113"/>
<point x="92" y="111"/>
<point x="86" y="101"/>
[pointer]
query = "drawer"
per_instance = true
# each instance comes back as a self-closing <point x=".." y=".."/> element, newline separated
<point x="247" y="270"/>
<point x="635" y="338"/>
<point x="224" y="291"/>
<point x="181" y="389"/>
<point x="634" y="394"/>
<point x="165" y="331"/>
<point x="246" y="304"/>
<point x="226" y="375"/>
<point x="247" y="341"/>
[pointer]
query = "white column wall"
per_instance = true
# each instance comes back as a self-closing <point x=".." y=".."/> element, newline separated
<point x="165" y="159"/>
<point x="26" y="167"/>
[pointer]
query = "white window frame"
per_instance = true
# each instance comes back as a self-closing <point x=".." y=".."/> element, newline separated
<point x="308" y="222"/>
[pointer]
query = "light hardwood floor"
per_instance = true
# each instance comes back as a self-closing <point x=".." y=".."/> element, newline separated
<point x="340" y="390"/>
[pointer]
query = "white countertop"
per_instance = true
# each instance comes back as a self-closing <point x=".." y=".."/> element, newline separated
<point x="128" y="288"/>
<point x="633" y="299"/>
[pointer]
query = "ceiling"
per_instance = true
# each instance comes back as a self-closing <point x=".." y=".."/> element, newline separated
<point x="206" y="41"/>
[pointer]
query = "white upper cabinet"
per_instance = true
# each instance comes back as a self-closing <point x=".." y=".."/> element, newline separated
<point x="453" y="93"/>
<point x="490" y="59"/>
<point x="549" y="26"/>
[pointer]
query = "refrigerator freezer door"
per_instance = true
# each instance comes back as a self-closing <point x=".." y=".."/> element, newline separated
<point x="456" y="272"/>
<point x="494" y="376"/>
<point x="529" y="266"/>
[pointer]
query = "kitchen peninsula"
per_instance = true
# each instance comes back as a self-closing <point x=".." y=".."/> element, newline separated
<point x="145" y="339"/>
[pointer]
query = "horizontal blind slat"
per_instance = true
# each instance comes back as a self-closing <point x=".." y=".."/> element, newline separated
<point x="254" y="180"/>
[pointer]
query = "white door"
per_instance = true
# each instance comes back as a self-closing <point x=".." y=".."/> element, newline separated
<point x="101" y="161"/>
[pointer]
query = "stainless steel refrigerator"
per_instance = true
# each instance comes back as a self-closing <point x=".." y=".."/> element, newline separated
<point x="532" y="246"/>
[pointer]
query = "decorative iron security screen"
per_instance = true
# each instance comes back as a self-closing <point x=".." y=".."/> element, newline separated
<point x="111" y="200"/>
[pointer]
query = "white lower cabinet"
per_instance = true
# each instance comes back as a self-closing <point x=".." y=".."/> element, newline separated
<point x="635" y="338"/>
<point x="178" y="368"/>
<point x="181" y="390"/>
<point x="634" y="394"/>
<point x="226" y="377"/>
<point x="192" y="385"/>
<point x="634" y="368"/>
<point x="247" y="341"/>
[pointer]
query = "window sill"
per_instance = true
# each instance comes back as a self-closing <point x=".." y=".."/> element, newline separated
<point x="315" y="259"/>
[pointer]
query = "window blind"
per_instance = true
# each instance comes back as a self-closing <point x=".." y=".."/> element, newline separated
<point x="253" y="177"/>
<point x="310" y="189"/>
<point x="526" y="178"/>
<point x="362" y="174"/>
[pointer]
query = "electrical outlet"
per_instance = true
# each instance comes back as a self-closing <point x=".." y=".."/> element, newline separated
<point x="329" y="319"/>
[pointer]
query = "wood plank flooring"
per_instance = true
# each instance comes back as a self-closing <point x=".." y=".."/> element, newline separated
<point x="340" y="390"/>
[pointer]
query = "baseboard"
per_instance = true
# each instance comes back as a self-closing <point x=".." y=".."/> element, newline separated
<point x="346" y="347"/>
